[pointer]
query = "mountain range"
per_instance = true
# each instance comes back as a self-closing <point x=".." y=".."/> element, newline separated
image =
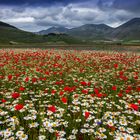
<point x="12" y="35"/>
<point x="127" y="31"/>
<point x="85" y="33"/>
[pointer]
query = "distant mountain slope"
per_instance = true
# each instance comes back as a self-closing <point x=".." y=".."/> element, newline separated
<point x="53" y="30"/>
<point x="88" y="31"/>
<point x="127" y="31"/>
<point x="91" y="31"/>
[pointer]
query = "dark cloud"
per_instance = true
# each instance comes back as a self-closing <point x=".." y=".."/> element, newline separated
<point x="37" y="2"/>
<point x="120" y="10"/>
<point x="129" y="5"/>
<point x="34" y="15"/>
<point x="19" y="9"/>
<point x="105" y="4"/>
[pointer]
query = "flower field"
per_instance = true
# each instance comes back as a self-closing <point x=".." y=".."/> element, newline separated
<point x="69" y="95"/>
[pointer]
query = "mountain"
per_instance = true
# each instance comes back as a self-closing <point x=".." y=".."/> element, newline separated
<point x="83" y="34"/>
<point x="56" y="29"/>
<point x="91" y="31"/>
<point x="2" y="24"/>
<point x="9" y="33"/>
<point x="88" y="31"/>
<point x="12" y="35"/>
<point x="127" y="31"/>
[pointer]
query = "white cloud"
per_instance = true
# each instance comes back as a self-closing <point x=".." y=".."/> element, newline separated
<point x="20" y="20"/>
<point x="71" y="15"/>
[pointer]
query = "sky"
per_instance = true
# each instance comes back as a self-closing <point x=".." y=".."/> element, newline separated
<point x="36" y="15"/>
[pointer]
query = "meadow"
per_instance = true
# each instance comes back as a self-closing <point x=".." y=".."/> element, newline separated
<point x="69" y="95"/>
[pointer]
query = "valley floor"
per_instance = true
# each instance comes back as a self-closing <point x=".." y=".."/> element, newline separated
<point x="96" y="47"/>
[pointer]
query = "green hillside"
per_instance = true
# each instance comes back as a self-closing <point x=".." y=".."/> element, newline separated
<point x="10" y="34"/>
<point x="128" y="33"/>
<point x="62" y="38"/>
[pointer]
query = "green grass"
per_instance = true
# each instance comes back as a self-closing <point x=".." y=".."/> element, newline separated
<point x="22" y="37"/>
<point x="16" y="35"/>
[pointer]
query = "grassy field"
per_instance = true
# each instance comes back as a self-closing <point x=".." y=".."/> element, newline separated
<point x="69" y="95"/>
<point x="96" y="47"/>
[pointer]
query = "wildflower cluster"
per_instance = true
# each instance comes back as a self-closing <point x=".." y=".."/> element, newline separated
<point x="69" y="95"/>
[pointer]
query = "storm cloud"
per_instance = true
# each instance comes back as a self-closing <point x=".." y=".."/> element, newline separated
<point x="35" y="15"/>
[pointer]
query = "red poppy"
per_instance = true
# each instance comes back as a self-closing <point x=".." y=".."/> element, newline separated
<point x="76" y="80"/>
<point x="116" y="65"/>
<point x="113" y="128"/>
<point x="52" y="108"/>
<point x="83" y="83"/>
<point x="121" y="72"/>
<point x="138" y="88"/>
<point x="120" y="94"/>
<point x="85" y="91"/>
<point x="89" y="83"/>
<point x="134" y="106"/>
<point x="34" y="79"/>
<point x="47" y="73"/>
<point x="99" y="95"/>
<point x="67" y="88"/>
<point x="64" y="100"/>
<point x="10" y="77"/>
<point x="55" y="73"/>
<point x="96" y="90"/>
<point x="3" y="100"/>
<point x="127" y="91"/>
<point x="53" y="91"/>
<point x="15" y="95"/>
<point x="136" y="77"/>
<point x="92" y="95"/>
<point x="73" y="88"/>
<point x="60" y="73"/>
<point x="114" y="88"/>
<point x="129" y="88"/>
<point x="42" y="78"/>
<point x="139" y="101"/>
<point x="87" y="114"/>
<point x="61" y="93"/>
<point x="57" y="83"/>
<point x="19" y="106"/>
<point x="21" y="88"/>
<point x="1" y="77"/>
<point x="26" y="79"/>
<point x="57" y="134"/>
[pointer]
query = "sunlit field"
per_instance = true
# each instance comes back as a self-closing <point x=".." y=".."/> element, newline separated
<point x="69" y="95"/>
